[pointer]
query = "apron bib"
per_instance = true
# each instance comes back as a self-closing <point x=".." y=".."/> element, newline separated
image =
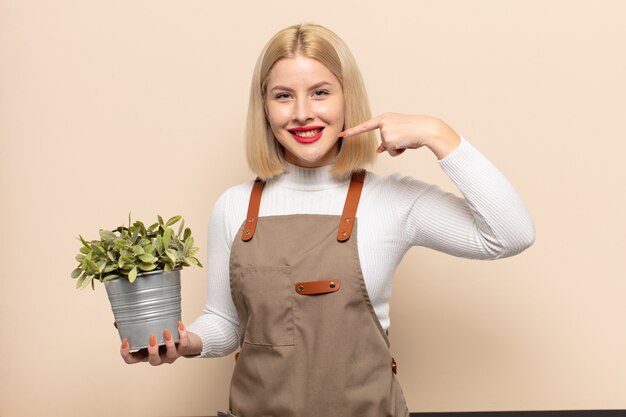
<point x="311" y="344"/>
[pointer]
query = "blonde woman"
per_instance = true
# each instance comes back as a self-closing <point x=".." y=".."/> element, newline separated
<point x="300" y="261"/>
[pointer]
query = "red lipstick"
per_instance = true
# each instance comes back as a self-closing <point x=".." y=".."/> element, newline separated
<point x="303" y="134"/>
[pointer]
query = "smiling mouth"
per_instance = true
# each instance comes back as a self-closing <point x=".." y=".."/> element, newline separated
<point x="306" y="134"/>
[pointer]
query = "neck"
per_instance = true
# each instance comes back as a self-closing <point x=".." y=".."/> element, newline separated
<point x="309" y="179"/>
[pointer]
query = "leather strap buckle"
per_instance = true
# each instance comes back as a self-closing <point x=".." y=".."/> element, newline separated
<point x="253" y="210"/>
<point x="317" y="287"/>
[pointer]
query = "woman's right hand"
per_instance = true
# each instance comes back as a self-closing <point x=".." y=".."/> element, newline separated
<point x="189" y="344"/>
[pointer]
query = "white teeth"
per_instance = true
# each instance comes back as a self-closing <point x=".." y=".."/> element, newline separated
<point x="308" y="133"/>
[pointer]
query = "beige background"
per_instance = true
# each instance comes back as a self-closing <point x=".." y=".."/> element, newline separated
<point x="116" y="106"/>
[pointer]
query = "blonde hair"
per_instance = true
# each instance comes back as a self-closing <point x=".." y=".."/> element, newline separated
<point x="264" y="152"/>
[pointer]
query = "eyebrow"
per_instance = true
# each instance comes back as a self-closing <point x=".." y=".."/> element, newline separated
<point x="313" y="87"/>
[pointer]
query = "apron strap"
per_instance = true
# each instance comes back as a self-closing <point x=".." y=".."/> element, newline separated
<point x="253" y="210"/>
<point x="352" y="203"/>
<point x="347" y="217"/>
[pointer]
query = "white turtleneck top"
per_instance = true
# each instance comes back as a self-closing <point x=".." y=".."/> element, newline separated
<point x="394" y="214"/>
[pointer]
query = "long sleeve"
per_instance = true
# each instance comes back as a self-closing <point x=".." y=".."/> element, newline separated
<point x="218" y="326"/>
<point x="395" y="213"/>
<point x="490" y="222"/>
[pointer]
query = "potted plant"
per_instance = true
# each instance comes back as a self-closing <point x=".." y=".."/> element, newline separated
<point x="140" y="268"/>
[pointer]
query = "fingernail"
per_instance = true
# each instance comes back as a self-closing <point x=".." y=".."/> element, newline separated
<point x="181" y="326"/>
<point x="342" y="134"/>
<point x="124" y="343"/>
<point x="167" y="335"/>
<point x="153" y="340"/>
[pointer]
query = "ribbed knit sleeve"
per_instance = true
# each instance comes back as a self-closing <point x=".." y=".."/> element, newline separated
<point x="395" y="213"/>
<point x="218" y="326"/>
<point x="490" y="222"/>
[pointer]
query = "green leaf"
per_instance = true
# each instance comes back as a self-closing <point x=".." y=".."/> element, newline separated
<point x="181" y="228"/>
<point x="168" y="267"/>
<point x="132" y="275"/>
<point x="147" y="266"/>
<point x="141" y="227"/>
<point x="160" y="221"/>
<point x="92" y="267"/>
<point x="152" y="227"/>
<point x="111" y="256"/>
<point x="80" y="258"/>
<point x="187" y="234"/>
<point x="173" y="220"/>
<point x="109" y="267"/>
<point x="171" y="254"/>
<point x="110" y="277"/>
<point x="167" y="238"/>
<point x="98" y="250"/>
<point x="138" y="250"/>
<point x="149" y="249"/>
<point x="159" y="245"/>
<point x="188" y="245"/>
<point x="148" y="258"/>
<point x="83" y="281"/>
<point x="199" y="264"/>
<point x="86" y="282"/>
<point x="84" y="241"/>
<point x="126" y="269"/>
<point x="80" y="281"/>
<point x="121" y="243"/>
<point x="76" y="273"/>
<point x="84" y="250"/>
<point x="107" y="235"/>
<point x="191" y="261"/>
<point x="127" y="260"/>
<point x="101" y="264"/>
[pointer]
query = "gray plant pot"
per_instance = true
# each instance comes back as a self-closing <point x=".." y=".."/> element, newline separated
<point x="147" y="306"/>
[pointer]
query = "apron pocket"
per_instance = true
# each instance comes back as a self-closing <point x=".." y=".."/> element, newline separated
<point x="267" y="292"/>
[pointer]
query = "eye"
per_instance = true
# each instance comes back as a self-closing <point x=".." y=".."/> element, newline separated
<point x="281" y="96"/>
<point x="320" y="93"/>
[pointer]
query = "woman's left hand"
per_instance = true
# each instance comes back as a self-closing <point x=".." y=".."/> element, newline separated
<point x="399" y="132"/>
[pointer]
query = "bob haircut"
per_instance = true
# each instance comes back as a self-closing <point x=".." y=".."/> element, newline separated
<point x="265" y="154"/>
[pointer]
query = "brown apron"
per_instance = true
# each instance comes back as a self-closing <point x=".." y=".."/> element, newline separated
<point x="311" y="344"/>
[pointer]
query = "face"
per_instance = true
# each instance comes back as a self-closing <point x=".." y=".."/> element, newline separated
<point x="305" y="109"/>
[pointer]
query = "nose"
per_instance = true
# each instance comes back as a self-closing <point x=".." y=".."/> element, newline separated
<point x="302" y="111"/>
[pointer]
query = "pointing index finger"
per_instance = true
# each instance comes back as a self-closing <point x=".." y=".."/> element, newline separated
<point x="367" y="126"/>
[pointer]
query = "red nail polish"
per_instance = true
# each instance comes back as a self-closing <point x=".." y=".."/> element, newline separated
<point x="124" y="343"/>
<point x="167" y="335"/>
<point x="181" y="326"/>
<point x="153" y="340"/>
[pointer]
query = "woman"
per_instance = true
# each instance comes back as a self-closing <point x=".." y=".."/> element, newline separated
<point x="302" y="286"/>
